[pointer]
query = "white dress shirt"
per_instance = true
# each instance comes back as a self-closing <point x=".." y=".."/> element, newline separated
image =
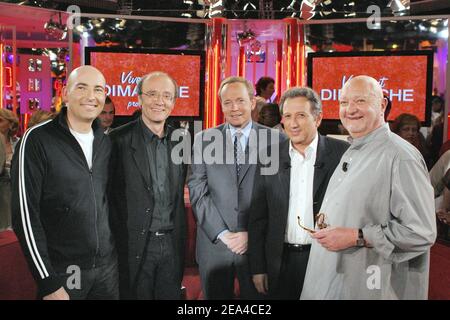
<point x="301" y="193"/>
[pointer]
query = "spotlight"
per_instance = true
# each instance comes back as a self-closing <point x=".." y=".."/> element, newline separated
<point x="443" y="34"/>
<point x="81" y="28"/>
<point x="121" y="25"/>
<point x="52" y="55"/>
<point x="399" y="7"/>
<point x="216" y="8"/>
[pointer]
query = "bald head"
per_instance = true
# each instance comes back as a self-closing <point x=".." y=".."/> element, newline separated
<point x="372" y="86"/>
<point x="88" y="71"/>
<point x="361" y="106"/>
<point x="84" y="96"/>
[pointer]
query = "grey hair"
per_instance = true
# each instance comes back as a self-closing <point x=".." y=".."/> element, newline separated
<point x="156" y="74"/>
<point x="306" y="92"/>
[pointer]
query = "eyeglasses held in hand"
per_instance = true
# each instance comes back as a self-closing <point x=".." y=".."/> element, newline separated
<point x="320" y="222"/>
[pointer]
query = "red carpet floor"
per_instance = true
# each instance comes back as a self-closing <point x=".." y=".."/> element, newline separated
<point x="16" y="282"/>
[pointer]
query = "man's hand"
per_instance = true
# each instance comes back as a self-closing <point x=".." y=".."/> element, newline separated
<point x="336" y="238"/>
<point x="261" y="282"/>
<point x="59" y="294"/>
<point x="236" y="241"/>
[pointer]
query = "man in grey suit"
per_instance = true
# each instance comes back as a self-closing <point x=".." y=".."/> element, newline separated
<point x="221" y="189"/>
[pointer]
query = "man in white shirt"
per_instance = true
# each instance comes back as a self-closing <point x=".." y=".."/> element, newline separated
<point x="278" y="247"/>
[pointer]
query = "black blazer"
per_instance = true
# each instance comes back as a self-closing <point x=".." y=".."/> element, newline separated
<point x="132" y="204"/>
<point x="270" y="205"/>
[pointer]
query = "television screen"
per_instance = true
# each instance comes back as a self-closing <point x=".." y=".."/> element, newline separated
<point x="405" y="76"/>
<point x="123" y="68"/>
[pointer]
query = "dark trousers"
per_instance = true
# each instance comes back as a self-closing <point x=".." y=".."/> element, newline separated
<point x="100" y="283"/>
<point x="218" y="274"/>
<point x="157" y="276"/>
<point x="292" y="274"/>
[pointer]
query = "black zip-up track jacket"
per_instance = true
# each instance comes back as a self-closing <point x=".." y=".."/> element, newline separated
<point x="59" y="205"/>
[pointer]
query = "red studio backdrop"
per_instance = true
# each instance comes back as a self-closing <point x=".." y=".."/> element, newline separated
<point x="123" y="70"/>
<point x="406" y="78"/>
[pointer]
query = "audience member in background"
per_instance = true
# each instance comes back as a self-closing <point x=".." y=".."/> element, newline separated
<point x="440" y="180"/>
<point x="443" y="210"/>
<point x="53" y="106"/>
<point x="434" y="133"/>
<point x="437" y="108"/>
<point x="435" y="139"/>
<point x="436" y="174"/>
<point x="265" y="87"/>
<point x="5" y="191"/>
<point x="9" y="124"/>
<point x="270" y="116"/>
<point x="407" y="126"/>
<point x="40" y="116"/>
<point x="107" y="115"/>
<point x="260" y="102"/>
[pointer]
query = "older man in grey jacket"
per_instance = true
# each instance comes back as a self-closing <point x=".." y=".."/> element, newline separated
<point x="378" y="208"/>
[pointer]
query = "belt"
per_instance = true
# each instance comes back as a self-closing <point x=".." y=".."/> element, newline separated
<point x="160" y="233"/>
<point x="297" y="247"/>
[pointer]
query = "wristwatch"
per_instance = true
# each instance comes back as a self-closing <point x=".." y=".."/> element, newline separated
<point x="360" y="242"/>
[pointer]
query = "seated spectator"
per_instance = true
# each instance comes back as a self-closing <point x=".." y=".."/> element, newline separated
<point x="270" y="116"/>
<point x="407" y="126"/>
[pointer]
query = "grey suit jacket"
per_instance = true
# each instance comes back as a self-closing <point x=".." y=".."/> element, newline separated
<point x="219" y="201"/>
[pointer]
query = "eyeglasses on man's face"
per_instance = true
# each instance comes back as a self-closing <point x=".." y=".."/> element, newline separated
<point x="155" y="95"/>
